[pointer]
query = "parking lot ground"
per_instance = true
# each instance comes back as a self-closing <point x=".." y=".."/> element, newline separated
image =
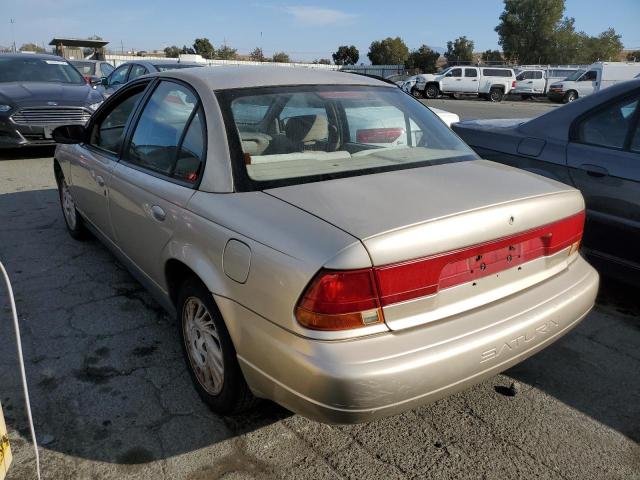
<point x="112" y="398"/>
<point x="474" y="108"/>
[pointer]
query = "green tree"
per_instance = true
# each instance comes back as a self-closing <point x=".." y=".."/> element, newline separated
<point x="257" y="55"/>
<point x="527" y="29"/>
<point x="634" y="56"/>
<point x="187" y="51"/>
<point x="492" y="56"/>
<point x="31" y="47"/>
<point x="390" y="51"/>
<point x="606" y="47"/>
<point x="346" y="55"/>
<point x="460" y="50"/>
<point x="172" y="52"/>
<point x="226" y="53"/>
<point x="280" y="57"/>
<point x="203" y="47"/>
<point x="423" y="58"/>
<point x="322" y="61"/>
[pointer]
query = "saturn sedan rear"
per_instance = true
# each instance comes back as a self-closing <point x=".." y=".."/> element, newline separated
<point x="323" y="239"/>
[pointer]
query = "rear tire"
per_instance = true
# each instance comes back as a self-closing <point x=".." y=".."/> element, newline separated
<point x="72" y="219"/>
<point x="496" y="95"/>
<point x="209" y="353"/>
<point x="570" y="96"/>
<point x="431" y="91"/>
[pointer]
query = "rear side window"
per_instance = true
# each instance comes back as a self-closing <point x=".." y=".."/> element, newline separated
<point x="496" y="72"/>
<point x="159" y="137"/>
<point x="608" y="127"/>
<point x="108" y="133"/>
<point x="137" y="71"/>
<point x="470" y="72"/>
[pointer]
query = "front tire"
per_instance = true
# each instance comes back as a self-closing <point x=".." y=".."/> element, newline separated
<point x="431" y="91"/>
<point x="416" y="93"/>
<point x="496" y="95"/>
<point x="72" y="219"/>
<point x="209" y="353"/>
<point x="570" y="96"/>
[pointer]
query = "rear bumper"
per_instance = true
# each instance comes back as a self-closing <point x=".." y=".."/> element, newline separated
<point x="377" y="376"/>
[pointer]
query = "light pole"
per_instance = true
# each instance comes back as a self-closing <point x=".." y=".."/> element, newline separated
<point x="13" y="37"/>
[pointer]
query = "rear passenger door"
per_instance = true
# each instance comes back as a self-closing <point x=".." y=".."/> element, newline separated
<point x="161" y="165"/>
<point x="469" y="82"/>
<point x="604" y="160"/>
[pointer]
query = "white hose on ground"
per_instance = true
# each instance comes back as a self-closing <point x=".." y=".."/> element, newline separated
<point x="23" y="374"/>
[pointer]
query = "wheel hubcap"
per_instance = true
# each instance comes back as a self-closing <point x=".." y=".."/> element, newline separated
<point x="203" y="345"/>
<point x="68" y="206"/>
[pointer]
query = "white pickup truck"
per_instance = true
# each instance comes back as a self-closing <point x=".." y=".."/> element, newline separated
<point x="492" y="83"/>
<point x="532" y="82"/>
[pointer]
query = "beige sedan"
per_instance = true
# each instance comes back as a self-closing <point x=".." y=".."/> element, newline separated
<point x="324" y="240"/>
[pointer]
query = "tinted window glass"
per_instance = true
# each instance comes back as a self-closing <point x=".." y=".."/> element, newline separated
<point x="456" y="72"/>
<point x="159" y="129"/>
<point x="108" y="133"/>
<point x="608" y="127"/>
<point x="470" y="72"/>
<point x="106" y="68"/>
<point x="191" y="155"/>
<point x="119" y="76"/>
<point x="250" y="110"/>
<point x="590" y="76"/>
<point x="29" y="69"/>
<point x="85" y="68"/>
<point x="136" y="71"/>
<point x="496" y="72"/>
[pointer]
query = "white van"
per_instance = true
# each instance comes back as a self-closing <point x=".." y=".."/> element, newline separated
<point x="536" y="81"/>
<point x="598" y="76"/>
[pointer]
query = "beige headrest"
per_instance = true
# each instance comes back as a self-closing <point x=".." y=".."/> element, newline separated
<point x="254" y="143"/>
<point x="307" y="128"/>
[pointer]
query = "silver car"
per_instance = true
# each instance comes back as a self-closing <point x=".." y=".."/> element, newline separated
<point x="324" y="240"/>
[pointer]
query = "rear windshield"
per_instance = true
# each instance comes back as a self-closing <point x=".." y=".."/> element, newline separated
<point x="173" y="66"/>
<point x="85" y="68"/>
<point x="297" y="134"/>
<point x="26" y="69"/>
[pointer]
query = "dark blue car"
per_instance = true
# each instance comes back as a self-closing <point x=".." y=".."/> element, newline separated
<point x="592" y="144"/>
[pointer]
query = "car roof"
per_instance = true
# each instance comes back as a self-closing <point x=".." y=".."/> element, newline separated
<point x="39" y="56"/>
<point x="241" y="76"/>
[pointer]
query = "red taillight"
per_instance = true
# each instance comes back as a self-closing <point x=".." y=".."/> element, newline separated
<point x="87" y="78"/>
<point x="378" y="135"/>
<point x="513" y="84"/>
<point x="337" y="300"/>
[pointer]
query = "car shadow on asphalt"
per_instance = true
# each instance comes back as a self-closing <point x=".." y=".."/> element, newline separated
<point x="108" y="381"/>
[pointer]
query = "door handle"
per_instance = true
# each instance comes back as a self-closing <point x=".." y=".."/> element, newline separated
<point x="100" y="180"/>
<point x="158" y="213"/>
<point x="458" y="79"/>
<point x="594" y="170"/>
<point x="474" y="80"/>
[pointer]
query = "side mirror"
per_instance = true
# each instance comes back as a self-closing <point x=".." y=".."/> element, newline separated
<point x="104" y="81"/>
<point x="69" y="134"/>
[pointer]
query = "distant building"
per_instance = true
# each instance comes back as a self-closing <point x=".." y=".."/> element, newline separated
<point x="74" y="48"/>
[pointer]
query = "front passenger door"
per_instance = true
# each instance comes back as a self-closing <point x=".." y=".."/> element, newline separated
<point x="160" y="167"/>
<point x="604" y="161"/>
<point x="450" y="83"/>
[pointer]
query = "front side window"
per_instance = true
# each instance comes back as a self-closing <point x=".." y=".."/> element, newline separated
<point x="310" y="133"/>
<point x="609" y="126"/>
<point x="590" y="76"/>
<point x="108" y="133"/>
<point x="29" y="69"/>
<point x="119" y="76"/>
<point x="156" y="140"/>
<point x="456" y="72"/>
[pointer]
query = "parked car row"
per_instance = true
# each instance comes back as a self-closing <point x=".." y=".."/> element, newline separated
<point x="40" y="92"/>
<point x="560" y="84"/>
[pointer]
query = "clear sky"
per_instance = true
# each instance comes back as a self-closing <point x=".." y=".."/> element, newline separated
<point x="304" y="29"/>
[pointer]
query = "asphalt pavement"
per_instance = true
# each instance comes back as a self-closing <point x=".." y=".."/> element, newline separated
<point x="112" y="398"/>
